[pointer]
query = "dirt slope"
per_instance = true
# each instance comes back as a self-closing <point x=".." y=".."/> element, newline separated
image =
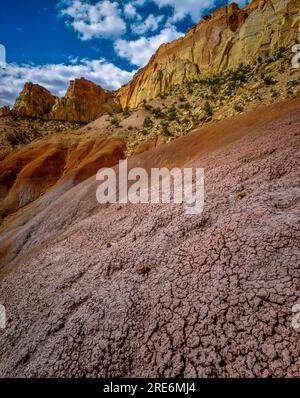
<point x="149" y="291"/>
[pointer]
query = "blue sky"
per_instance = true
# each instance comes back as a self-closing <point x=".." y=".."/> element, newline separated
<point x="53" y="41"/>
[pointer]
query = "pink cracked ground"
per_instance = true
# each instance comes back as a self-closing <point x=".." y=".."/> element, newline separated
<point x="147" y="291"/>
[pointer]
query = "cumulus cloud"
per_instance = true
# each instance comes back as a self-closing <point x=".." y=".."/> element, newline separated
<point x="130" y="11"/>
<point x="56" y="77"/>
<point x="150" y="24"/>
<point x="101" y="20"/>
<point x="183" y="8"/>
<point x="139" y="51"/>
<point x="193" y="8"/>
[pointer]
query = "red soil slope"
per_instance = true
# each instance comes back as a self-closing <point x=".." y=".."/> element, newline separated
<point x="30" y="172"/>
<point x="145" y="290"/>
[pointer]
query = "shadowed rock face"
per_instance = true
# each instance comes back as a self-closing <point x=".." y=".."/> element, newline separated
<point x="34" y="101"/>
<point x="218" y="42"/>
<point x="145" y="290"/>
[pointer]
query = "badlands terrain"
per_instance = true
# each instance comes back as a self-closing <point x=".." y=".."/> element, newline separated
<point x="146" y="290"/>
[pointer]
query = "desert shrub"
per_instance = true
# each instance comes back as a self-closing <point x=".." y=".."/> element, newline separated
<point x="293" y="83"/>
<point x="268" y="80"/>
<point x="161" y="95"/>
<point x="195" y="118"/>
<point x="157" y="112"/>
<point x="280" y="53"/>
<point x="18" y="137"/>
<point x="238" y="108"/>
<point x="186" y="106"/>
<point x="165" y="127"/>
<point x="172" y="116"/>
<point x="147" y="122"/>
<point x="207" y="108"/>
<point x="126" y="111"/>
<point x="172" y="113"/>
<point x="274" y="93"/>
<point x="146" y="106"/>
<point x="115" y="121"/>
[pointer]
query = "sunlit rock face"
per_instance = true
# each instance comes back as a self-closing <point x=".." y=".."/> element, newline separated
<point x="34" y="101"/>
<point x="84" y="101"/>
<point x="218" y="42"/>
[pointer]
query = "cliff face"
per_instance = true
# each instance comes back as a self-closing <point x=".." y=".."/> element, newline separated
<point x="34" y="101"/>
<point x="83" y="102"/>
<point x="220" y="41"/>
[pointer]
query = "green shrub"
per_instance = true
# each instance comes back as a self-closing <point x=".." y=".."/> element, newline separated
<point x="165" y="127"/>
<point x="172" y="116"/>
<point x="268" y="80"/>
<point x="207" y="108"/>
<point x="157" y="112"/>
<point x="115" y="121"/>
<point x="18" y="137"/>
<point x="126" y="111"/>
<point x="148" y="107"/>
<point x="147" y="122"/>
<point x="238" y="108"/>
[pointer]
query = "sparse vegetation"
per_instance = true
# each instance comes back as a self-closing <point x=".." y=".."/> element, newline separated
<point x="165" y="127"/>
<point x="18" y="137"/>
<point x="115" y="122"/>
<point x="147" y="122"/>
<point x="172" y="115"/>
<point x="207" y="108"/>
<point x="157" y="112"/>
<point x="268" y="80"/>
<point x="147" y="106"/>
<point x="238" y="108"/>
<point x="126" y="112"/>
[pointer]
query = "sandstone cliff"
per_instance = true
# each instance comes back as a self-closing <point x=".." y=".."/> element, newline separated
<point x="218" y="42"/>
<point x="34" y="101"/>
<point x="84" y="101"/>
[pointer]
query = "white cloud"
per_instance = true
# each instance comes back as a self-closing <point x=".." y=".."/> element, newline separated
<point x="139" y="51"/>
<point x="130" y="10"/>
<point x="150" y="24"/>
<point x="194" y="8"/>
<point x="182" y="8"/>
<point x="102" y="20"/>
<point x="56" y="77"/>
